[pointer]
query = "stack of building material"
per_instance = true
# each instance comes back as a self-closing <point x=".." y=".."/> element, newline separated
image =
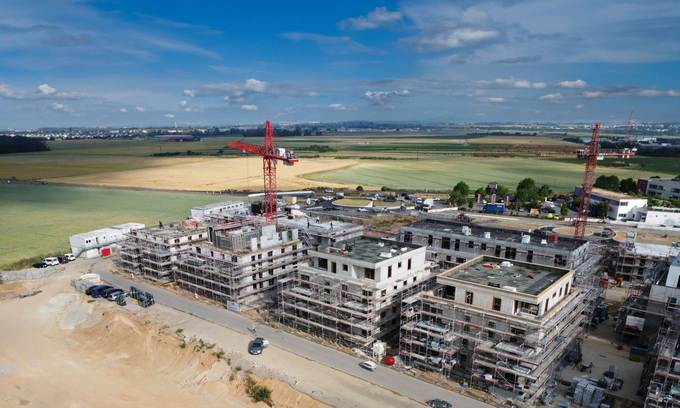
<point x="85" y="281"/>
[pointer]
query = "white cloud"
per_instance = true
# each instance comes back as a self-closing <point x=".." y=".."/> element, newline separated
<point x="249" y="107"/>
<point x="60" y="107"/>
<point x="592" y="94"/>
<point x="169" y="115"/>
<point x="189" y="92"/>
<point x="451" y="38"/>
<point x="140" y="108"/>
<point x="123" y="110"/>
<point x="579" y="106"/>
<point x="341" y="107"/>
<point x="376" y="18"/>
<point x="572" y="84"/>
<point x="495" y="99"/>
<point x="658" y="92"/>
<point x="335" y="44"/>
<point x="7" y="92"/>
<point x="673" y="92"/>
<point x="382" y="97"/>
<point x="255" y="85"/>
<point x="516" y="83"/>
<point x="553" y="97"/>
<point x="187" y="107"/>
<point x="45" y="89"/>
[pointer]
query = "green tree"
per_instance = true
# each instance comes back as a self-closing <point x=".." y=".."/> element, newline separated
<point x="564" y="210"/>
<point x="459" y="193"/>
<point x="544" y="192"/>
<point x="628" y="185"/>
<point x="360" y="188"/>
<point x="470" y="203"/>
<point x="601" y="209"/>
<point x="610" y="183"/>
<point x="502" y="191"/>
<point x="526" y="191"/>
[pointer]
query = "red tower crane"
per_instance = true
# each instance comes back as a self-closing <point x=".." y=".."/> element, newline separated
<point x="591" y="154"/>
<point x="270" y="155"/>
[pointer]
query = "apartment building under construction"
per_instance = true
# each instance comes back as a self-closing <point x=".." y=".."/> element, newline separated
<point x="664" y="385"/>
<point x="502" y="326"/>
<point x="241" y="262"/>
<point x="635" y="262"/>
<point x="451" y="242"/>
<point x="352" y="290"/>
<point x="153" y="252"/>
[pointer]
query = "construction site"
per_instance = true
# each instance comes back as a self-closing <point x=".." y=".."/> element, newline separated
<point x="351" y="291"/>
<point x="497" y="325"/>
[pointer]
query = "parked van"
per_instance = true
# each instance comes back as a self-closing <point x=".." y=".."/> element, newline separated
<point x="51" y="261"/>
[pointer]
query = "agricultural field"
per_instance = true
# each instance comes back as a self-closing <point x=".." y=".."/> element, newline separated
<point x="38" y="219"/>
<point x="416" y="162"/>
<point x="476" y="171"/>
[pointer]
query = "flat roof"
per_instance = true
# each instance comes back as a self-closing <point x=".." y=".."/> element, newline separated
<point x="614" y="195"/>
<point x="656" y="250"/>
<point x="368" y="249"/>
<point x="172" y="230"/>
<point x="504" y="234"/>
<point x="217" y="205"/>
<point x="524" y="277"/>
<point x="321" y="228"/>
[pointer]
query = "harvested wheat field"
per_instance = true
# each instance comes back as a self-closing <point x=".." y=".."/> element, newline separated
<point x="213" y="174"/>
<point x="61" y="350"/>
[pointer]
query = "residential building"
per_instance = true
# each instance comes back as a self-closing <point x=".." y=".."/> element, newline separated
<point x="668" y="188"/>
<point x="451" y="242"/>
<point x="621" y="206"/>
<point x="352" y="290"/>
<point x="501" y="326"/>
<point x="635" y="261"/>
<point x="153" y="252"/>
<point x="227" y="208"/>
<point x="102" y="237"/>
<point x="316" y="232"/>
<point x="241" y="263"/>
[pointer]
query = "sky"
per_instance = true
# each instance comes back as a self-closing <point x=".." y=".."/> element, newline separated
<point x="141" y="62"/>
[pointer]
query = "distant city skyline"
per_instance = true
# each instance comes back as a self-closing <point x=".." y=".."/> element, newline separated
<point x="145" y="63"/>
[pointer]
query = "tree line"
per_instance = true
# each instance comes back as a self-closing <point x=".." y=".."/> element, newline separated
<point x="22" y="144"/>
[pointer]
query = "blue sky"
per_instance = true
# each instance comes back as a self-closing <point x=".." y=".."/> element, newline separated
<point x="120" y="63"/>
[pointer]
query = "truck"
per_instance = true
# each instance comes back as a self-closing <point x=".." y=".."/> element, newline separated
<point x="494" y="208"/>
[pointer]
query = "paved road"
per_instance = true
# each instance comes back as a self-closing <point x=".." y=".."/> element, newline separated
<point x="387" y="378"/>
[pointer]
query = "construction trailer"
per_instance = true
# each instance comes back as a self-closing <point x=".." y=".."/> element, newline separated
<point x="85" y="241"/>
<point x="350" y="293"/>
<point x="241" y="263"/>
<point x="226" y="208"/>
<point x="153" y="252"/>
<point x="499" y="325"/>
<point x="451" y="242"/>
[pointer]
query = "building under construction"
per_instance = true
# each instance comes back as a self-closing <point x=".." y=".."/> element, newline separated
<point x="634" y="262"/>
<point x="241" y="262"/>
<point x="352" y="290"/>
<point x="153" y="252"/>
<point x="501" y="326"/>
<point x="316" y="232"/>
<point x="664" y="383"/>
<point x="451" y="242"/>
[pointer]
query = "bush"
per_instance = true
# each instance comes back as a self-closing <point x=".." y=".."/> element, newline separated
<point x="258" y="392"/>
<point x="360" y="188"/>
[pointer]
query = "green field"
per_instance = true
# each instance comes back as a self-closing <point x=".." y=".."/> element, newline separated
<point x="38" y="219"/>
<point x="476" y="171"/>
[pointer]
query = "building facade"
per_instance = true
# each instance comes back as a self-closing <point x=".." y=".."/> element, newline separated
<point x="499" y="325"/>
<point x="351" y="291"/>
<point x="241" y="264"/>
<point x="621" y="206"/>
<point x="227" y="208"/>
<point x="153" y="252"/>
<point x="668" y="188"/>
<point x="451" y="243"/>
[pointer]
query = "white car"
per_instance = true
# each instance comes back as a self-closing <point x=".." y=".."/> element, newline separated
<point x="51" y="261"/>
<point x="70" y="257"/>
<point x="369" y="365"/>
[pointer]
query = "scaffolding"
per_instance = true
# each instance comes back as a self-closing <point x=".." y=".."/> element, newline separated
<point x="664" y="386"/>
<point x="349" y="313"/>
<point x="490" y="350"/>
